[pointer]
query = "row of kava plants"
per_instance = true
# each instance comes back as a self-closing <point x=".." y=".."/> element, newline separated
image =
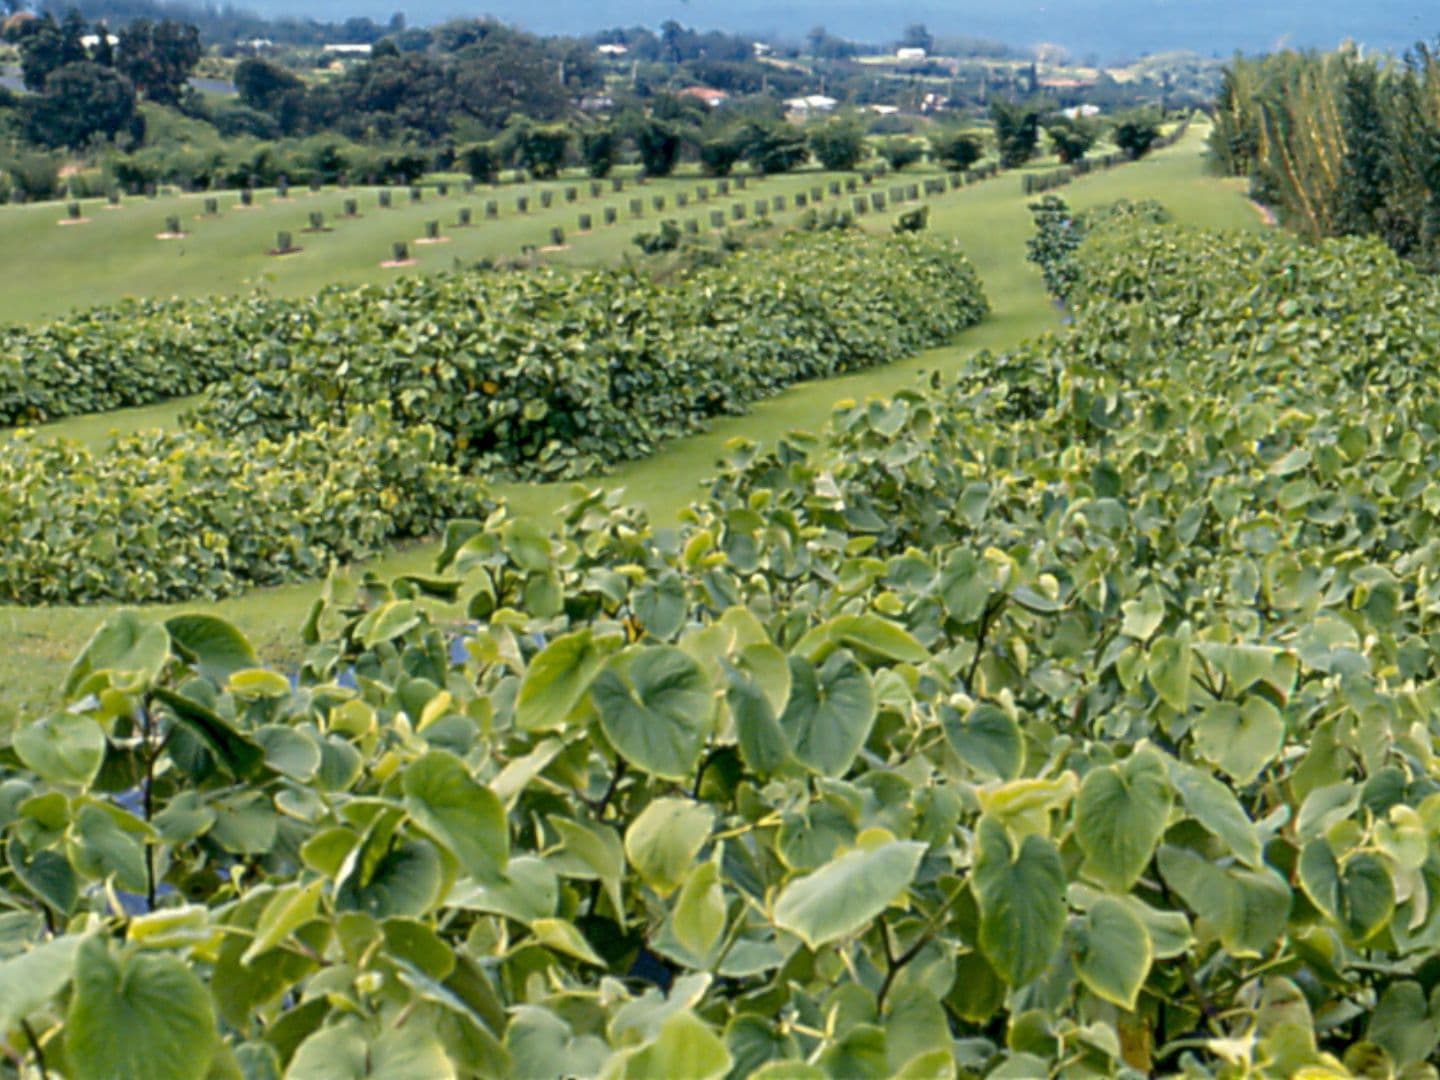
<point x="1072" y="717"/>
<point x="337" y="424"/>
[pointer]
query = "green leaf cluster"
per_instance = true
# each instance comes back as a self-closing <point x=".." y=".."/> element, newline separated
<point x="551" y="375"/>
<point x="1071" y="717"/>
<point x="175" y="516"/>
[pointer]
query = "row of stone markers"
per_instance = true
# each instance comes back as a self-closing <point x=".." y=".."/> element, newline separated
<point x="861" y="202"/>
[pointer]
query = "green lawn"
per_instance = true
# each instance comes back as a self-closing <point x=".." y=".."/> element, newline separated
<point x="990" y="220"/>
<point x="56" y="267"/>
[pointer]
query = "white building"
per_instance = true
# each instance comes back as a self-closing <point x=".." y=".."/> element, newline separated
<point x="1075" y="112"/>
<point x="613" y="50"/>
<point x="348" y="50"/>
<point x="910" y="54"/>
<point x="812" y="103"/>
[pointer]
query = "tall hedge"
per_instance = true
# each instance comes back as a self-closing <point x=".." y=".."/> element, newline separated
<point x="556" y="374"/>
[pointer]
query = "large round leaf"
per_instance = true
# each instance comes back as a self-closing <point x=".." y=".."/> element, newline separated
<point x="1120" y="815"/>
<point x="841" y="898"/>
<point x="1021" y="895"/>
<point x="1245" y="908"/>
<point x="215" y="647"/>
<point x="406" y="880"/>
<point x="464" y="815"/>
<point x="64" y="749"/>
<point x="663" y="841"/>
<point x="1240" y="739"/>
<point x="342" y="1052"/>
<point x="1360" y="896"/>
<point x="988" y="740"/>
<point x="138" y="1015"/>
<point x="1112" y="951"/>
<point x="657" y="709"/>
<point x="557" y="679"/>
<point x="126" y="651"/>
<point x="829" y="714"/>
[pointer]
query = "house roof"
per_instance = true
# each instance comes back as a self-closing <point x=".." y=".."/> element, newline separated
<point x="704" y="93"/>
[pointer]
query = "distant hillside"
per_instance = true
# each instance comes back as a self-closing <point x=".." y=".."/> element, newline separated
<point x="1110" y="28"/>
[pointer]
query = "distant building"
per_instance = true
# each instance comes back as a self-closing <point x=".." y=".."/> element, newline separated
<point x="348" y="50"/>
<point x="883" y="110"/>
<point x="14" y="22"/>
<point x="812" y="103"/>
<point x="597" y="103"/>
<point x="613" y="50"/>
<point x="761" y="49"/>
<point x="258" y="44"/>
<point x="712" y="98"/>
<point x="910" y="54"/>
<point x="90" y="41"/>
<point x="1076" y="112"/>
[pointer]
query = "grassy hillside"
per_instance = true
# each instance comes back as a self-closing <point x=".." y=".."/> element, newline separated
<point x="117" y="254"/>
<point x="991" y="222"/>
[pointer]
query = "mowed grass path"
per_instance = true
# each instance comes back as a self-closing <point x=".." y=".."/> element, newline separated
<point x="990" y="220"/>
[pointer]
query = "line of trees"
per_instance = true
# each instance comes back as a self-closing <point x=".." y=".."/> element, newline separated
<point x="1018" y="126"/>
<point x="1338" y="144"/>
<point x="82" y="91"/>
<point x="661" y="139"/>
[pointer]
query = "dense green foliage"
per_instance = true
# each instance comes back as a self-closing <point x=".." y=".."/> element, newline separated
<point x="1071" y="138"/>
<point x="139" y="352"/>
<point x="156" y="517"/>
<point x="546" y="374"/>
<point x="552" y="375"/>
<point x="1339" y="144"/>
<point x="1017" y="131"/>
<point x="1073" y="717"/>
<point x="1059" y="232"/>
<point x="133" y="353"/>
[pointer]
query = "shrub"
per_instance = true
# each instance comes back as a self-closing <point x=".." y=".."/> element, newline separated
<point x="958" y="150"/>
<point x="838" y="144"/>
<point x="156" y="517"/>
<point x="900" y="152"/>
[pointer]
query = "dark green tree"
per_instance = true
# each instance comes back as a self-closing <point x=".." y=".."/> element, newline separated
<point x="1365" y="176"/>
<point x="838" y="144"/>
<point x="773" y="146"/>
<point x="1136" y="132"/>
<point x="506" y="72"/>
<point x="539" y="148"/>
<point x="900" y="152"/>
<point x="158" y="57"/>
<point x="599" y="146"/>
<point x="957" y="149"/>
<point x="659" y="145"/>
<point x="81" y="102"/>
<point x="261" y="84"/>
<point x="46" y="46"/>
<point x="1017" y="131"/>
<point x="481" y="160"/>
<point x="1072" y="139"/>
<point x="916" y="36"/>
<point x="719" y="153"/>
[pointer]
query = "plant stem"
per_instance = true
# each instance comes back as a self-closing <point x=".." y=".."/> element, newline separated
<point x="35" y="1045"/>
<point x="151" y="754"/>
<point x="610" y="791"/>
<point x="992" y="608"/>
<point x="893" y="964"/>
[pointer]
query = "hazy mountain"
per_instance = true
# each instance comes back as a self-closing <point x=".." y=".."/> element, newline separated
<point x="1107" y="27"/>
